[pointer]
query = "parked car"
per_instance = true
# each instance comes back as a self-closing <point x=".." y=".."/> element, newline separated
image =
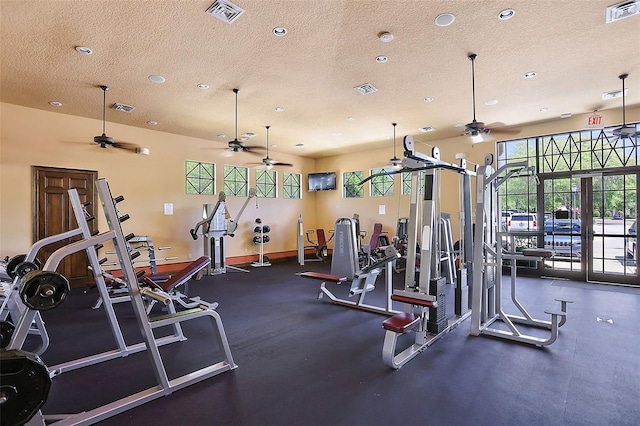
<point x="632" y="242"/>
<point x="522" y="222"/>
<point x="506" y="215"/>
<point x="563" y="237"/>
<point x="618" y="216"/>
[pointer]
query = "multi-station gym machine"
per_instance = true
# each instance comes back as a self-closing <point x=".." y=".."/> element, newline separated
<point x="215" y="226"/>
<point x="423" y="296"/>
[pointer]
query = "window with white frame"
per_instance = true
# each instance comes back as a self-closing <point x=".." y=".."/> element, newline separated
<point x="291" y="185"/>
<point x="200" y="177"/>
<point x="236" y="180"/>
<point x="351" y="187"/>
<point x="266" y="183"/>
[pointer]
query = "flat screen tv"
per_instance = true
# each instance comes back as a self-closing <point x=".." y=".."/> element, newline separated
<point x="322" y="181"/>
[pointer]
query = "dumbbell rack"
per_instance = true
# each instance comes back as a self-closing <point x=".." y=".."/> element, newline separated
<point x="164" y="385"/>
<point x="262" y="261"/>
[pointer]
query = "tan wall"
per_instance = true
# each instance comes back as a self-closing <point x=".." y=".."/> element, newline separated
<point x="34" y="137"/>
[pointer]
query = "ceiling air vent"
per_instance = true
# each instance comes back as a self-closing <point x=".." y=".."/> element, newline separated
<point x="123" y="107"/>
<point x="613" y="94"/>
<point x="622" y="10"/>
<point x="366" y="88"/>
<point x="225" y="11"/>
<point x="426" y="129"/>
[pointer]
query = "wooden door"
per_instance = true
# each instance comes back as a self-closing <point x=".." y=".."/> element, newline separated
<point x="53" y="215"/>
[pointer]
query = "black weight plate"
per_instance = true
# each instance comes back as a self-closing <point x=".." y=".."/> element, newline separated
<point x="43" y="290"/>
<point x="13" y="263"/>
<point x="25" y="383"/>
<point x="6" y="331"/>
<point x="24" y="268"/>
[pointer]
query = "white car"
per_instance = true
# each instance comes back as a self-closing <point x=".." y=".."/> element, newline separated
<point x="522" y="222"/>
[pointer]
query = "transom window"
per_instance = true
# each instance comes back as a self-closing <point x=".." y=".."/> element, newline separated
<point x="291" y="184"/>
<point x="351" y="184"/>
<point x="266" y="183"/>
<point x="382" y="184"/>
<point x="200" y="177"/>
<point x="236" y="180"/>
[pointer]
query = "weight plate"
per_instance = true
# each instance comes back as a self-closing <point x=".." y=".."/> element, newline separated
<point x="25" y="267"/>
<point x="13" y="263"/>
<point x="24" y="385"/>
<point x="43" y="290"/>
<point x="6" y="331"/>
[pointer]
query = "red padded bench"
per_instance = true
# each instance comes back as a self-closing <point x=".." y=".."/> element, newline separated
<point x="181" y="277"/>
<point x="322" y="277"/>
<point x="402" y="322"/>
<point x="399" y="323"/>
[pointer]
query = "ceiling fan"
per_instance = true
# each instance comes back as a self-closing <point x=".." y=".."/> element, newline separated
<point x="476" y="129"/>
<point x="395" y="162"/>
<point x="103" y="140"/>
<point x="236" y="145"/>
<point x="268" y="161"/>
<point x="625" y="131"/>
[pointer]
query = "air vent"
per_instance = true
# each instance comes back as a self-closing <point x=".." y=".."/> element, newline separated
<point x="366" y="88"/>
<point x="622" y="10"/>
<point x="613" y="94"/>
<point x="225" y="11"/>
<point x="426" y="129"/>
<point x="123" y="107"/>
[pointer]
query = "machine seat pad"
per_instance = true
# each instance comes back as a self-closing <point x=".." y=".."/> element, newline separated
<point x="399" y="323"/>
<point x="181" y="277"/>
<point x="538" y="252"/>
<point x="412" y="301"/>
<point x="323" y="277"/>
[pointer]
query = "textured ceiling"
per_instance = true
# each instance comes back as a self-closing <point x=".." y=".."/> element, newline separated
<point x="311" y="72"/>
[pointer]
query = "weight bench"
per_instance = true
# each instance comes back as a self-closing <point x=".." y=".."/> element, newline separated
<point x="323" y="277"/>
<point x="403" y="322"/>
<point x="170" y="287"/>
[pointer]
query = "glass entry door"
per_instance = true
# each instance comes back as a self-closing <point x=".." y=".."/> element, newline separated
<point x="612" y="213"/>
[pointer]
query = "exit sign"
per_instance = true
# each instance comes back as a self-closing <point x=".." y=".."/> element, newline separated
<point x="595" y="121"/>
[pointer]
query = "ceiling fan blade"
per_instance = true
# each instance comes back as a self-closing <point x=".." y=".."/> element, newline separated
<point x="277" y="163"/>
<point x="126" y="146"/>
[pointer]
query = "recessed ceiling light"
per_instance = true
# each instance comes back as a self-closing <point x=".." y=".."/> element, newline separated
<point x="506" y="14"/>
<point x="279" y="109"/>
<point x="221" y="135"/>
<point x="445" y="19"/>
<point x="351" y="118"/>
<point x="280" y="31"/>
<point x="157" y="78"/>
<point x="385" y="37"/>
<point x="428" y="99"/>
<point x="458" y="125"/>
<point x="336" y="134"/>
<point x="203" y="86"/>
<point x="55" y="103"/>
<point x="530" y="74"/>
<point x="299" y="145"/>
<point x="84" y="50"/>
<point x="490" y="102"/>
<point x="565" y="115"/>
<point x="248" y="135"/>
<point x="381" y="59"/>
<point x="544" y="109"/>
<point x="152" y="123"/>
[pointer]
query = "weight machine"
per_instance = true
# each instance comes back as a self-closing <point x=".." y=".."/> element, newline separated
<point x="423" y="296"/>
<point x="320" y="246"/>
<point x="46" y="289"/>
<point x="488" y="255"/>
<point x="215" y="226"/>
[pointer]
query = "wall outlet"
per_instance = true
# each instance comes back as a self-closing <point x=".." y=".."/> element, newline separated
<point x="190" y="256"/>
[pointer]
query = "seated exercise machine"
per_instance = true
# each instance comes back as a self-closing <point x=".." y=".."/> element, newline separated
<point x="320" y="246"/>
<point x="215" y="226"/>
<point x="489" y="252"/>
<point x="346" y="267"/>
<point x="423" y="297"/>
<point x="45" y="289"/>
